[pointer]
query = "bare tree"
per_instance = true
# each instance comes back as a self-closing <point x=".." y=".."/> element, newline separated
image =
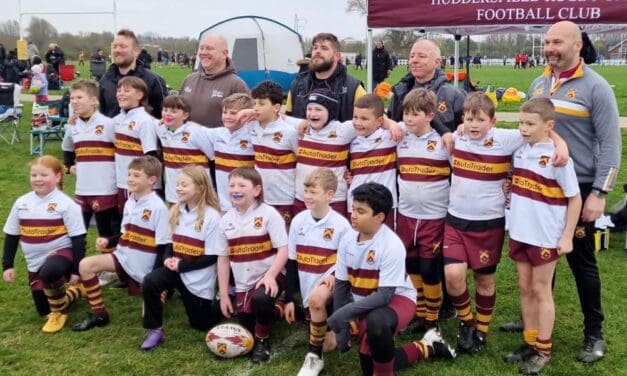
<point x="356" y="6"/>
<point x="41" y="32"/>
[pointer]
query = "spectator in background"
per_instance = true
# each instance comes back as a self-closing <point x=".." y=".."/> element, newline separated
<point x="166" y="58"/>
<point x="31" y="50"/>
<point x="381" y="63"/>
<point x="3" y="54"/>
<point x="55" y="57"/>
<point x="81" y="58"/>
<point x="11" y="70"/>
<point x="358" y="59"/>
<point x="145" y="58"/>
<point x="39" y="81"/>
<point x="159" y="57"/>
<point x="394" y="60"/>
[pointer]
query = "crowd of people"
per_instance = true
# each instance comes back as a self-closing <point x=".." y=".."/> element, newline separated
<point x="374" y="221"/>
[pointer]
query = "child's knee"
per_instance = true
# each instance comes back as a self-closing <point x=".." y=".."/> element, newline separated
<point x="317" y="301"/>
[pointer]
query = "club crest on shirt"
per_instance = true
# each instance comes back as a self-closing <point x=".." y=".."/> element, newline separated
<point x="185" y="137"/>
<point x="442" y="106"/>
<point x="435" y="247"/>
<point x="571" y="94"/>
<point x="327" y="234"/>
<point x="99" y="129"/>
<point x="431" y="144"/>
<point x="543" y="161"/>
<point x="277" y="137"/>
<point x="378" y="139"/>
<point x="52" y="207"/>
<point x="258" y="222"/>
<point x="332" y="134"/>
<point x="580" y="232"/>
<point x="198" y="225"/>
<point x="489" y="142"/>
<point x="287" y="217"/>
<point x="95" y="205"/>
<point x="370" y="257"/>
<point x="131" y="126"/>
<point x="484" y="256"/>
<point x="545" y="253"/>
<point x="243" y="144"/>
<point x="146" y="214"/>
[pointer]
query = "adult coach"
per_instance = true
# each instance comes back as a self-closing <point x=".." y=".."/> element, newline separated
<point x="424" y="72"/>
<point x="215" y="80"/>
<point x="325" y="71"/>
<point x="587" y="119"/>
<point x="125" y="50"/>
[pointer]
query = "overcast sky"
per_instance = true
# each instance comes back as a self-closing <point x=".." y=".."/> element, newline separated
<point x="188" y="17"/>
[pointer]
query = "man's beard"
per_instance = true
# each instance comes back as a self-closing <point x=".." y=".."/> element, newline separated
<point x="125" y="63"/>
<point x="323" y="66"/>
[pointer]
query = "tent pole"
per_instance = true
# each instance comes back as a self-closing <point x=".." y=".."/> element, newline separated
<point x="369" y="61"/>
<point x="456" y="65"/>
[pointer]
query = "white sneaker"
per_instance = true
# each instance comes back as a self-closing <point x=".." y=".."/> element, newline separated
<point x="440" y="347"/>
<point x="312" y="365"/>
<point x="107" y="278"/>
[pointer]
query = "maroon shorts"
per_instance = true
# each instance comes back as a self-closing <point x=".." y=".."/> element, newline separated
<point x="422" y="237"/>
<point x="96" y="204"/>
<point x="134" y="288"/>
<point x="35" y="282"/>
<point x="244" y="300"/>
<point x="287" y="212"/>
<point x="405" y="310"/>
<point x="479" y="249"/>
<point x="122" y="196"/>
<point x="530" y="254"/>
<point x="339" y="206"/>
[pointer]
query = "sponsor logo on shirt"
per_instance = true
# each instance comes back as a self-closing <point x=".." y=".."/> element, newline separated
<point x="217" y="93"/>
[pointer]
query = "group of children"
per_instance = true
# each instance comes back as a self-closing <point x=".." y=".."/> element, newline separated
<point x="415" y="208"/>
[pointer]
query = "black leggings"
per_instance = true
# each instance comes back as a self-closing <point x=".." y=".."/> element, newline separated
<point x="263" y="310"/>
<point x="381" y="326"/>
<point x="201" y="313"/>
<point x="107" y="221"/>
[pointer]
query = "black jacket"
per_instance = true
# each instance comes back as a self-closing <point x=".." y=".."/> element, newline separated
<point x="381" y="64"/>
<point x="157" y="89"/>
<point x="340" y="83"/>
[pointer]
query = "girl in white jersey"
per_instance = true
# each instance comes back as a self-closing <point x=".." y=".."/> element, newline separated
<point x="50" y="228"/>
<point x="197" y="244"/>
<point x="257" y="248"/>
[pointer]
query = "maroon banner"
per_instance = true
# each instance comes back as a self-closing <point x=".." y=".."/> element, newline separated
<point x="490" y="13"/>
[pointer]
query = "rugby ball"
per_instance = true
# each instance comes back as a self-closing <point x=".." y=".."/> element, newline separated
<point x="229" y="340"/>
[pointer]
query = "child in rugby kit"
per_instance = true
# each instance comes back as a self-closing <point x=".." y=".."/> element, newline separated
<point x="141" y="246"/>
<point x="545" y="206"/>
<point x="183" y="142"/>
<point x="312" y="250"/>
<point x="49" y="226"/>
<point x="197" y="244"/>
<point x="373" y="152"/>
<point x="88" y="153"/>
<point x="474" y="229"/>
<point x="370" y="269"/>
<point x="232" y="144"/>
<point x="275" y="143"/>
<point x="134" y="131"/>
<point x="423" y="183"/>
<point x="326" y="143"/>
<point x="257" y="250"/>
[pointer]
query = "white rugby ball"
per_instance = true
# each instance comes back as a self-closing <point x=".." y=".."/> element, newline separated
<point x="229" y="340"/>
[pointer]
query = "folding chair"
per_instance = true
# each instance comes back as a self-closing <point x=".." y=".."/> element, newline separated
<point x="10" y="112"/>
<point x="46" y="123"/>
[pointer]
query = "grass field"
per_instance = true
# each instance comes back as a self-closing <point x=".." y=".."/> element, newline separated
<point x="113" y="350"/>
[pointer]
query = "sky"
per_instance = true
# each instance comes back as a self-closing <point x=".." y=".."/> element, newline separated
<point x="179" y="18"/>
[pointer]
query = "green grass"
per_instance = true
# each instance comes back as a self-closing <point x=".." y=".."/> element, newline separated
<point x="113" y="350"/>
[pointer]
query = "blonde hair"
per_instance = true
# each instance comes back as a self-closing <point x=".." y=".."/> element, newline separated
<point x="208" y="196"/>
<point x="52" y="163"/>
<point x="238" y="101"/>
<point x="252" y="175"/>
<point x="322" y="177"/>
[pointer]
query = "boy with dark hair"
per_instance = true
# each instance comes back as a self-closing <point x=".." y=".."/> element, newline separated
<point x="141" y="246"/>
<point x="370" y="269"/>
<point x="275" y="143"/>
